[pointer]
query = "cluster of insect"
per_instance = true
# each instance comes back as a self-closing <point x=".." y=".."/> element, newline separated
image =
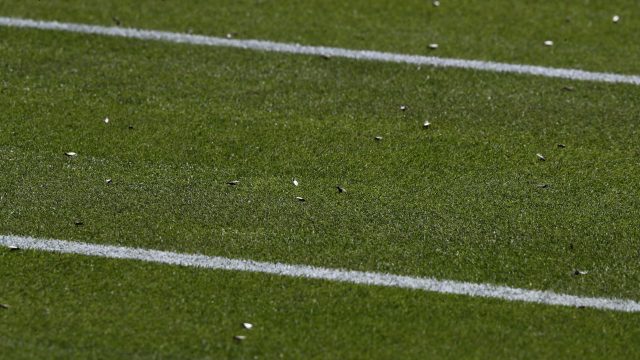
<point x="433" y="46"/>
<point x="296" y="183"/>
<point x="341" y="190"/>
<point x="425" y="125"/>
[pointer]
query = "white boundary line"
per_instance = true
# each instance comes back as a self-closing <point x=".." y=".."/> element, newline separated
<point x="572" y="74"/>
<point x="311" y="272"/>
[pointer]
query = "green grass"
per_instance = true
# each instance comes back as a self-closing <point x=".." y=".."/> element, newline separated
<point x="458" y="201"/>
<point x="77" y="307"/>
<point x="496" y="30"/>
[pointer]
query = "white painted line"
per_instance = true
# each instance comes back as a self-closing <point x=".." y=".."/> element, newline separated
<point x="572" y="74"/>
<point x="311" y="272"/>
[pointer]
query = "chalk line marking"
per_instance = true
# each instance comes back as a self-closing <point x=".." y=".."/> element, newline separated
<point x="312" y="272"/>
<point x="262" y="45"/>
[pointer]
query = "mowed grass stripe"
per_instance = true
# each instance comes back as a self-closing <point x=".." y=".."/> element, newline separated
<point x="466" y="207"/>
<point x="262" y="45"/>
<point x="311" y="272"/>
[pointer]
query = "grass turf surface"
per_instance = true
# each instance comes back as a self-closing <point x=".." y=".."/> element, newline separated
<point x="497" y="30"/>
<point x="114" y="309"/>
<point x="458" y="201"/>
